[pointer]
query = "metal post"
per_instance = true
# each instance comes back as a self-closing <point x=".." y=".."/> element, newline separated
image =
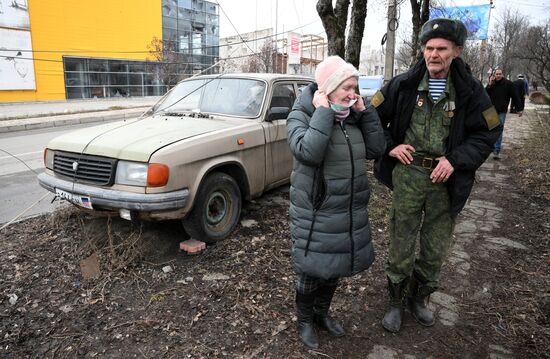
<point x="390" y="37"/>
<point x="276" y="36"/>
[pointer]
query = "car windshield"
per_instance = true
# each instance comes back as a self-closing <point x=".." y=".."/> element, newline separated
<point x="228" y="96"/>
<point x="370" y="83"/>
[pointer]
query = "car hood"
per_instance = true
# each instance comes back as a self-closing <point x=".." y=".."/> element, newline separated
<point x="138" y="139"/>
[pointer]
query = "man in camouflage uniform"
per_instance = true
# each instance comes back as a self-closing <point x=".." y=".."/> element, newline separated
<point x="440" y="127"/>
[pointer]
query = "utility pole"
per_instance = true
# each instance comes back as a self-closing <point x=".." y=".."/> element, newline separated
<point x="483" y="55"/>
<point x="276" y="37"/>
<point x="390" y="38"/>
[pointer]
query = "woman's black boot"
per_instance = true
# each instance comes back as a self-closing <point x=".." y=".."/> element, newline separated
<point x="306" y="330"/>
<point x="323" y="298"/>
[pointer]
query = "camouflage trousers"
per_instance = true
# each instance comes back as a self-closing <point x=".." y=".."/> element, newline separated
<point x="420" y="209"/>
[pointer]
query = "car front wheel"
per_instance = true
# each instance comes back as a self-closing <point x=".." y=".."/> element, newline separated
<point x="217" y="209"/>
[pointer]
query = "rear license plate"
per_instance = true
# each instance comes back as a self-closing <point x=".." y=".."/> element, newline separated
<point x="79" y="200"/>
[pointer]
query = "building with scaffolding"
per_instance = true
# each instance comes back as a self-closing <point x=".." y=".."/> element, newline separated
<point x="263" y="51"/>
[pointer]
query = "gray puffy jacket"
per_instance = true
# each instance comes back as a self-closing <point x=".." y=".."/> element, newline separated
<point x="329" y="191"/>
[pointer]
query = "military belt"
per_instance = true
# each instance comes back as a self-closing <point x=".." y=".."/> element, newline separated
<point x="425" y="162"/>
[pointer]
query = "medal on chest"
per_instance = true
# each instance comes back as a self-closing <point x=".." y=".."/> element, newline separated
<point x="419" y="101"/>
<point x="449" y="109"/>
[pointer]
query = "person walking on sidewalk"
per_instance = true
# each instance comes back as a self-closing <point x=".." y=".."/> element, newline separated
<point x="521" y="88"/>
<point x="440" y="127"/>
<point x="330" y="133"/>
<point x="500" y="91"/>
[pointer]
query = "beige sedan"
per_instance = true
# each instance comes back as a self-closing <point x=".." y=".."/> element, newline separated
<point x="209" y="143"/>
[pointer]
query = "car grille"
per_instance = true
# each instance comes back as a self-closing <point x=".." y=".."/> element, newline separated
<point x="90" y="169"/>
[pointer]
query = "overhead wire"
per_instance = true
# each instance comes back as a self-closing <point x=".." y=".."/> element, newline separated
<point x="149" y="51"/>
<point x="238" y="34"/>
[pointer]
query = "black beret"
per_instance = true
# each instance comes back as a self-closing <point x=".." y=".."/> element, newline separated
<point x="452" y="30"/>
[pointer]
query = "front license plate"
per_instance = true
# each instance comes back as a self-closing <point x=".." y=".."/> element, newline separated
<point x="79" y="200"/>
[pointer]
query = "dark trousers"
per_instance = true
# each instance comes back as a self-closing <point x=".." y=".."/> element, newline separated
<point x="308" y="285"/>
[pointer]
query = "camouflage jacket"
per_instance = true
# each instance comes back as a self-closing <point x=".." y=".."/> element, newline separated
<point x="474" y="128"/>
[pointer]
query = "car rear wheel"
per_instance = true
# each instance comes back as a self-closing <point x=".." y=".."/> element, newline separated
<point x="217" y="209"/>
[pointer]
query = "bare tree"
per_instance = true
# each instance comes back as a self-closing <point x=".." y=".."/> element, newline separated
<point x="172" y="65"/>
<point x="478" y="58"/>
<point x="535" y="49"/>
<point x="334" y="21"/>
<point x="508" y="31"/>
<point x="261" y="61"/>
<point x="403" y="55"/>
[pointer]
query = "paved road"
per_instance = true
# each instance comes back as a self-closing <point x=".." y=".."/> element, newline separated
<point x="25" y="129"/>
<point x="20" y="189"/>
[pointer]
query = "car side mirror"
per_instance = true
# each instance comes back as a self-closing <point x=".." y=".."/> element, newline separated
<point x="277" y="113"/>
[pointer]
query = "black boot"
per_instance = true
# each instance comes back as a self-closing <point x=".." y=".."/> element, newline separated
<point x="394" y="315"/>
<point x="306" y="330"/>
<point x="417" y="295"/>
<point x="323" y="298"/>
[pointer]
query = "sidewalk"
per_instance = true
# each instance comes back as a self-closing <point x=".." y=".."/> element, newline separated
<point x="20" y="116"/>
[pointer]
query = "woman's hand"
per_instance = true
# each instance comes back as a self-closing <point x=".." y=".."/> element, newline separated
<point x="320" y="99"/>
<point x="360" y="104"/>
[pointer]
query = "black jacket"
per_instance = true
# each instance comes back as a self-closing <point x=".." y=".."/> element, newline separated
<point x="519" y="86"/>
<point x="501" y="92"/>
<point x="473" y="132"/>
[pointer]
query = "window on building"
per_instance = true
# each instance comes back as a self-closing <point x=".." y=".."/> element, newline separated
<point x="194" y="25"/>
<point x="97" y="78"/>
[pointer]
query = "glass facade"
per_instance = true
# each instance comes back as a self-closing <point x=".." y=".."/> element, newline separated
<point x="99" y="78"/>
<point x="191" y="27"/>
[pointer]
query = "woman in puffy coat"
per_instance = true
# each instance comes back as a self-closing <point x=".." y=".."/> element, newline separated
<point x="330" y="133"/>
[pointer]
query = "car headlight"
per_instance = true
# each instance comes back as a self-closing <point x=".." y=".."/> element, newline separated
<point x="48" y="158"/>
<point x="131" y="173"/>
<point x="142" y="174"/>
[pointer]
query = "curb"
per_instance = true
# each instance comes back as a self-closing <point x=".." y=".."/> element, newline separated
<point x="71" y="119"/>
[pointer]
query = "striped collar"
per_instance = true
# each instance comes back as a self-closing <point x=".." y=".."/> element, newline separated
<point x="448" y="91"/>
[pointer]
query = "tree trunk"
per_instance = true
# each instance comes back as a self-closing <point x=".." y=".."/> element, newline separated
<point x="334" y="21"/>
<point x="355" y="34"/>
<point x="420" y="14"/>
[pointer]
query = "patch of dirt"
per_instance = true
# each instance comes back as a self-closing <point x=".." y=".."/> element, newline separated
<point x="236" y="299"/>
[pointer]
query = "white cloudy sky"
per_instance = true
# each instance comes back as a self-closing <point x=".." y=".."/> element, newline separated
<point x="250" y="15"/>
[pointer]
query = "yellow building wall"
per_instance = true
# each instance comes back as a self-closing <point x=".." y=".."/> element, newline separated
<point x="119" y="29"/>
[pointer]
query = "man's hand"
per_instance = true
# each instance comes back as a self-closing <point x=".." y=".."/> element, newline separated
<point x="442" y="171"/>
<point x="403" y="153"/>
<point x="320" y="99"/>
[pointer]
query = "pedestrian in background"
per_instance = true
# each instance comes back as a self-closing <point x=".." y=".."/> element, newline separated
<point x="440" y="127"/>
<point x="501" y="90"/>
<point x="330" y="133"/>
<point x="522" y="89"/>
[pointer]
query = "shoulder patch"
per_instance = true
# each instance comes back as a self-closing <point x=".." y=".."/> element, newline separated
<point x="377" y="99"/>
<point x="491" y="117"/>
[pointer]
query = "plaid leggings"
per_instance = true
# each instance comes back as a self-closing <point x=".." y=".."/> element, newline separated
<point x="306" y="284"/>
